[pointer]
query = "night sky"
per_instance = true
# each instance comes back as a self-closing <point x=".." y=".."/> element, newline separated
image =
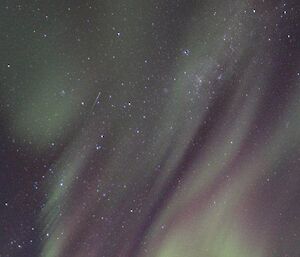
<point x="154" y="128"/>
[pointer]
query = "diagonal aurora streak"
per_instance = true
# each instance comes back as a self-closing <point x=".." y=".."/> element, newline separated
<point x="199" y="201"/>
<point x="173" y="126"/>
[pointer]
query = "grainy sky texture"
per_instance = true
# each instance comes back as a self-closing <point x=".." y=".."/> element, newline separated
<point x="150" y="128"/>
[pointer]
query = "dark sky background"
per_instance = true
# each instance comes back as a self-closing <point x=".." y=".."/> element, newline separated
<point x="150" y="128"/>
